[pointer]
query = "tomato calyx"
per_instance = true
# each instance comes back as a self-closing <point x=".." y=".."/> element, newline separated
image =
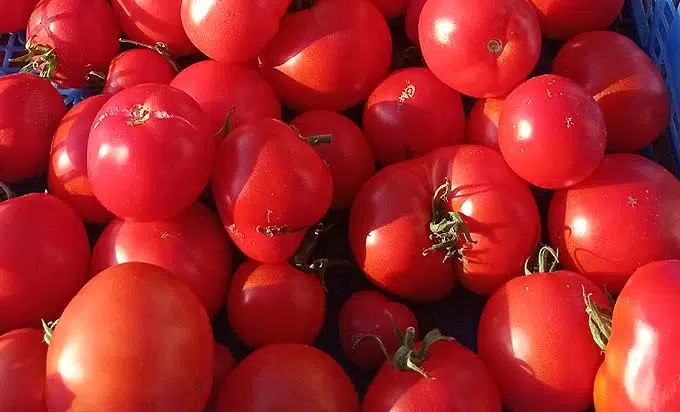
<point x="599" y="321"/>
<point x="48" y="329"/>
<point x="5" y="192"/>
<point x="160" y="48"/>
<point x="40" y="58"/>
<point x="227" y="127"/>
<point x="539" y="264"/>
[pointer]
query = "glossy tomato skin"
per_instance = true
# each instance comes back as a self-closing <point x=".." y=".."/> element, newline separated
<point x="192" y="246"/>
<point x="30" y="111"/>
<point x="531" y="332"/>
<point x="412" y="113"/>
<point x="415" y="8"/>
<point x="349" y="156"/>
<point x="620" y="218"/>
<point x="22" y="371"/>
<point x="224" y="364"/>
<point x="638" y="376"/>
<point x="44" y="260"/>
<point x="15" y="14"/>
<point x="391" y="9"/>
<point x="137" y="66"/>
<point x="564" y="19"/>
<point x="458" y="381"/>
<point x="551" y="120"/>
<point x="150" y="152"/>
<point x="119" y="331"/>
<point x="328" y="57"/>
<point x="482" y="123"/>
<point x="288" y="377"/>
<point x="482" y="48"/>
<point x="269" y="187"/>
<point x="624" y="81"/>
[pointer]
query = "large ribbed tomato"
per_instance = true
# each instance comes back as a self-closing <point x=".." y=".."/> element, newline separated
<point x="15" y="14"/>
<point x="563" y="19"/>
<point x="22" y="371"/>
<point x="138" y="66"/>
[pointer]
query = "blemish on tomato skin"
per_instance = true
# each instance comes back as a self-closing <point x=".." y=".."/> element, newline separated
<point x="570" y="122"/>
<point x="407" y="93"/>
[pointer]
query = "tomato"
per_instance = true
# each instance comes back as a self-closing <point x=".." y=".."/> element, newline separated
<point x="269" y="187"/>
<point x="415" y="8"/>
<point x="330" y="56"/>
<point x="288" y="377"/>
<point x="369" y="313"/>
<point x="15" y="14"/>
<point x="212" y="28"/>
<point x="640" y="369"/>
<point x="550" y="120"/>
<point x="112" y="346"/>
<point x="150" y="153"/>
<point x="67" y="170"/>
<point x="482" y="123"/>
<point x="22" y="371"/>
<point x="620" y="218"/>
<point x="192" y="246"/>
<point x="392" y="224"/>
<point x="82" y="33"/>
<point x="138" y="66"/>
<point x="412" y="113"/>
<point x="564" y="19"/>
<point x="482" y="48"/>
<point x="30" y="111"/>
<point x="224" y="364"/>
<point x="348" y="156"/>
<point x="625" y="83"/>
<point x="391" y="9"/>
<point x="43" y="259"/>
<point x="222" y="88"/>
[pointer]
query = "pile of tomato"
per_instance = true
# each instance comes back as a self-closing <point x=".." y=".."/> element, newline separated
<point x="254" y="178"/>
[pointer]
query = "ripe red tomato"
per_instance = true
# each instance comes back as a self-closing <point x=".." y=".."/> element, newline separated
<point x="15" y="14"/>
<point x="482" y="123"/>
<point x="150" y="152"/>
<point x="348" y="156"/>
<point x="212" y="28"/>
<point x="192" y="246"/>
<point x="112" y="346"/>
<point x="392" y="222"/>
<point x="224" y="364"/>
<point x="330" y="56"/>
<point x="551" y="132"/>
<point x="412" y="113"/>
<point x="43" y="259"/>
<point x="481" y="48"/>
<point x="30" y="111"/>
<point x="67" y="170"/>
<point x="564" y="19"/>
<point x="415" y="8"/>
<point x="288" y="377"/>
<point x="623" y="216"/>
<point x="138" y="66"/>
<point x="22" y="371"/>
<point x="368" y="312"/>
<point x="83" y="33"/>
<point x="640" y="369"/>
<point x="391" y="9"/>
<point x="269" y="187"/>
<point x="625" y="83"/>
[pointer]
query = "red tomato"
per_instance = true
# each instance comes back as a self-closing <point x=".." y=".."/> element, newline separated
<point x="551" y="132"/>
<point x="83" y="33"/>
<point x="192" y="246"/>
<point x="412" y="113"/>
<point x="150" y="152"/>
<point x="112" y="348"/>
<point x="224" y="364"/>
<point x="620" y="218"/>
<point x="625" y="83"/>
<point x="640" y="369"/>
<point x="212" y="28"/>
<point x="138" y="66"/>
<point x="22" y="371"/>
<point x="391" y="9"/>
<point x="275" y="303"/>
<point x="67" y="170"/>
<point x="415" y="8"/>
<point x="288" y="377"/>
<point x="564" y="19"/>
<point x="269" y="187"/>
<point x="481" y="48"/>
<point x="348" y="156"/>
<point x="30" y="111"/>
<point x="330" y="56"/>
<point x="482" y="123"/>
<point x="43" y="259"/>
<point x="15" y="14"/>
<point x="391" y="217"/>
<point x="369" y="313"/>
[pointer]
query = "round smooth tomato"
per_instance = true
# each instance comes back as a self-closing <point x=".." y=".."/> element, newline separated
<point x="412" y="113"/>
<point x="551" y="132"/>
<point x="481" y="48"/>
<point x="348" y="156"/>
<point x="482" y="123"/>
<point x="44" y="258"/>
<point x="30" y="111"/>
<point x="415" y="8"/>
<point x="270" y="186"/>
<point x="624" y="82"/>
<point x="112" y="345"/>
<point x="623" y="216"/>
<point x="564" y="19"/>
<point x="22" y="371"/>
<point x="192" y="246"/>
<point x="288" y="377"/>
<point x="150" y="152"/>
<point x="15" y="14"/>
<point x="391" y="9"/>
<point x="138" y="66"/>
<point x="330" y="56"/>
<point x="224" y="364"/>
